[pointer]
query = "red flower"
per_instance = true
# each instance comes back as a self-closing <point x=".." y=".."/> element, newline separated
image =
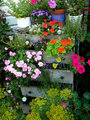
<point x="82" y="59"/>
<point x="45" y="33"/>
<point x="41" y="38"/>
<point x="55" y="21"/>
<point x="52" y="30"/>
<point x="51" y="23"/>
<point x="60" y="24"/>
<point x="45" y="20"/>
<point x="45" y="25"/>
<point x="61" y="49"/>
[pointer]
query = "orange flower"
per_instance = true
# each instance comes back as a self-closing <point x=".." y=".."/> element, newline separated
<point x="53" y="41"/>
<point x="45" y="25"/>
<point x="64" y="42"/>
<point x="51" y="23"/>
<point x="52" y="30"/>
<point x="60" y="24"/>
<point x="58" y="38"/>
<point x="69" y="41"/>
<point x="47" y="44"/>
<point x="45" y="33"/>
<point x="61" y="49"/>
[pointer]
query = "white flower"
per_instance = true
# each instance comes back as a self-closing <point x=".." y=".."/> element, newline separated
<point x="6" y="48"/>
<point x="24" y="99"/>
<point x="38" y="29"/>
<point x="59" y="31"/>
<point x="27" y="42"/>
<point x="9" y="91"/>
<point x="48" y="29"/>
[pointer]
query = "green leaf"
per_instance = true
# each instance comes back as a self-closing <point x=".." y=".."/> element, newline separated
<point x="54" y="52"/>
<point x="75" y="95"/>
<point x="78" y="112"/>
<point x="87" y="95"/>
<point x="87" y="106"/>
<point x="49" y="47"/>
<point x="85" y="117"/>
<point x="48" y="53"/>
<point x="58" y="59"/>
<point x="77" y="103"/>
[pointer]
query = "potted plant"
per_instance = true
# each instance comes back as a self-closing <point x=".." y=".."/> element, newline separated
<point x="21" y="10"/>
<point x="75" y="9"/>
<point x="57" y="9"/>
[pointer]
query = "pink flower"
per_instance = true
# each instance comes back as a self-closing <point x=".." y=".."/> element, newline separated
<point x="7" y="62"/>
<point x="82" y="59"/>
<point x="89" y="62"/>
<point x="12" y="53"/>
<point x="33" y="1"/>
<point x="52" y="3"/>
<point x="63" y="105"/>
<point x="75" y="57"/>
<point x="7" y="83"/>
<point x="34" y="76"/>
<point x="80" y="69"/>
<point x="10" y="79"/>
<point x="24" y="75"/>
<point x="27" y="42"/>
<point x="40" y="64"/>
<point x="24" y="69"/>
<point x="11" y="37"/>
<point x="39" y="57"/>
<point x="33" y="53"/>
<point x="28" y="52"/>
<point x="39" y="53"/>
<point x="6" y="78"/>
<point x="27" y="60"/>
<point x="29" y="56"/>
<point x="37" y="71"/>
<point x="76" y="64"/>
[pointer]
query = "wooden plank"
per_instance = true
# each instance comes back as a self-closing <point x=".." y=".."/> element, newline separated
<point x="32" y="91"/>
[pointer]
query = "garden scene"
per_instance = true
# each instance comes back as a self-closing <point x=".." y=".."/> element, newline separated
<point x="44" y="59"/>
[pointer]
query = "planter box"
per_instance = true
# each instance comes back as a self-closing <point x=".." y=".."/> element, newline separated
<point x="53" y="59"/>
<point x="60" y="76"/>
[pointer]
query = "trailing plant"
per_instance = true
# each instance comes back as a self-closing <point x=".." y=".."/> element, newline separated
<point x="24" y="65"/>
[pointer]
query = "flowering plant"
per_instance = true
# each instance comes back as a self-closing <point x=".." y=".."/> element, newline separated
<point x="24" y="65"/>
<point x="75" y="7"/>
<point x="77" y="64"/>
<point x="58" y="47"/>
<point x="53" y="107"/>
<point x="47" y="28"/>
<point x="39" y="15"/>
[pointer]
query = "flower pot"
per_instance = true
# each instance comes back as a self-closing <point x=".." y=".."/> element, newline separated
<point x="23" y="22"/>
<point x="58" y="15"/>
<point x="75" y="18"/>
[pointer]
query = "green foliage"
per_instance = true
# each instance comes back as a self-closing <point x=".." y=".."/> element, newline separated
<point x="87" y="95"/>
<point x="20" y="9"/>
<point x="74" y="28"/>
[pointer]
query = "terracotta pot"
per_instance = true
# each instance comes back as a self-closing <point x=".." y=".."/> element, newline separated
<point x="58" y="12"/>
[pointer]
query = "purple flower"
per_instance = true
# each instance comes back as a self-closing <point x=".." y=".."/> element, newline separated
<point x="70" y="8"/>
<point x="52" y="4"/>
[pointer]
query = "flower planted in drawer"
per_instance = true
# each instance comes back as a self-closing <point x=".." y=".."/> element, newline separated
<point x="23" y="66"/>
<point x="58" y="48"/>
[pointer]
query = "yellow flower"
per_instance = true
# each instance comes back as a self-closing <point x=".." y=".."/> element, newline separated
<point x="53" y="93"/>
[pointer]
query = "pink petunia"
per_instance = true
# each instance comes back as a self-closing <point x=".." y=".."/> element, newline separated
<point x="76" y="64"/>
<point x="33" y="53"/>
<point x="28" y="52"/>
<point x="6" y="78"/>
<point x="89" y="62"/>
<point x="39" y="53"/>
<point x="75" y="57"/>
<point x="40" y="64"/>
<point x="81" y="69"/>
<point x="82" y="59"/>
<point x="63" y="105"/>
<point x="12" y="53"/>
<point x="7" y="62"/>
<point x="24" y="75"/>
<point x="33" y="1"/>
<point x="37" y="71"/>
<point x="52" y="4"/>
<point x="39" y="57"/>
<point x="34" y="76"/>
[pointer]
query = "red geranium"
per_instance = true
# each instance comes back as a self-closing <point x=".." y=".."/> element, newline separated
<point x="45" y="20"/>
<point x="51" y="23"/>
<point x="60" y="24"/>
<point x="55" y="21"/>
<point x="45" y="33"/>
<point x="52" y="30"/>
<point x="45" y="25"/>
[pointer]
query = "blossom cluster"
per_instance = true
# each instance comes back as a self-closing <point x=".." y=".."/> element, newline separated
<point x="78" y="63"/>
<point x="24" y="67"/>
